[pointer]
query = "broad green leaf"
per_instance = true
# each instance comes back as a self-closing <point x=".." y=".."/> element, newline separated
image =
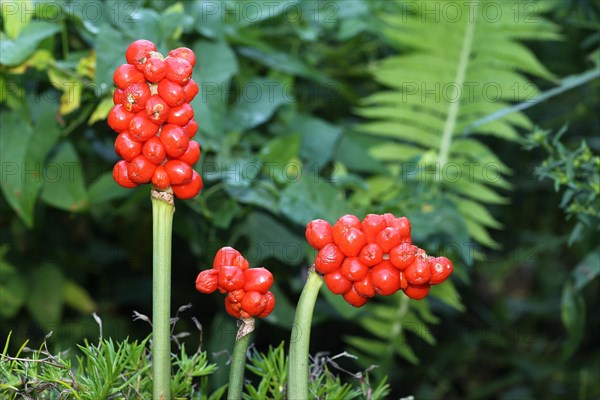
<point x="319" y="138"/>
<point x="171" y="21"/>
<point x="105" y="189"/>
<point x="45" y="301"/>
<point x="448" y="294"/>
<point x="13" y="287"/>
<point x="77" y="297"/>
<point x="269" y="238"/>
<point x="216" y="64"/>
<point x="14" y="51"/>
<point x="587" y="270"/>
<point x="281" y="150"/>
<point x="71" y="88"/>
<point x="311" y="198"/>
<point x="259" y="100"/>
<point x="64" y="186"/>
<point x="15" y="15"/>
<point x="352" y="151"/>
<point x="110" y="47"/>
<point x="101" y="111"/>
<point x="572" y="311"/>
<point x="23" y="148"/>
<point x="260" y="193"/>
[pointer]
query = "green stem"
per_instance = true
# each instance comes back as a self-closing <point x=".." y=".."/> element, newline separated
<point x="162" y="222"/>
<point x="300" y="340"/>
<point x="238" y="361"/>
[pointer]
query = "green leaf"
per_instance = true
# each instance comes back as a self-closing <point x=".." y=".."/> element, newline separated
<point x="105" y="189"/>
<point x="448" y="294"/>
<point x="101" y="111"/>
<point x="14" y="52"/>
<point x="110" y="48"/>
<point x="13" y="287"/>
<point x="23" y="148"/>
<point x="46" y="298"/>
<point x="77" y="297"/>
<point x="64" y="187"/>
<point x="311" y="198"/>
<point x="281" y="150"/>
<point x="171" y="21"/>
<point x="353" y="152"/>
<point x="319" y="138"/>
<point x="573" y="316"/>
<point x="269" y="238"/>
<point x="217" y="64"/>
<point x="15" y="17"/>
<point x="258" y="101"/>
<point x="587" y="270"/>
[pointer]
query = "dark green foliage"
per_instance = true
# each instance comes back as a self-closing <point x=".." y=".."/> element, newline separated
<point x="299" y="119"/>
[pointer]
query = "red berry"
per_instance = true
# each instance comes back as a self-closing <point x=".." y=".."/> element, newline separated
<point x="319" y="233"/>
<point x="365" y="287"/>
<point x="225" y="256"/>
<point x="178" y="172"/>
<point x="231" y="278"/>
<point x="126" y="75"/>
<point x="354" y="298"/>
<point x="190" y="189"/>
<point x="236" y="296"/>
<point x="191" y="128"/>
<point x="181" y="115"/>
<point x="270" y="299"/>
<point x="174" y="140"/>
<point x="135" y="96"/>
<point x="192" y="154"/>
<point x="154" y="151"/>
<point x="258" y="279"/>
<point x="352" y="242"/>
<point x="440" y="268"/>
<point x="126" y="147"/>
<point x="385" y="278"/>
<point x="157" y="110"/>
<point x="154" y="69"/>
<point x="140" y="170"/>
<point x="190" y="90"/>
<point x="403" y="255"/>
<point x="171" y="92"/>
<point x="387" y="239"/>
<point x="117" y="95"/>
<point x="329" y="259"/>
<point x="178" y="70"/>
<point x="372" y="224"/>
<point x="254" y="303"/>
<point x="160" y="179"/>
<point x="417" y="273"/>
<point x="233" y="309"/>
<point x="119" y="118"/>
<point x="138" y="51"/>
<point x="370" y="255"/>
<point x="353" y="269"/>
<point x="416" y="292"/>
<point x="337" y="283"/>
<point x="402" y="224"/>
<point x="141" y="128"/>
<point x="120" y="175"/>
<point x="206" y="282"/>
<point x="185" y="54"/>
<point x="343" y="225"/>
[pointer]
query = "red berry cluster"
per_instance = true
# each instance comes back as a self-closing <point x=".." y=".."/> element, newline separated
<point x="155" y="121"/>
<point x="374" y="256"/>
<point x="247" y="288"/>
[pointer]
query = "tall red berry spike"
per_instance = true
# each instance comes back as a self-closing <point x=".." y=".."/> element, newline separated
<point x="155" y="120"/>
<point x="375" y="256"/>
<point x="246" y="289"/>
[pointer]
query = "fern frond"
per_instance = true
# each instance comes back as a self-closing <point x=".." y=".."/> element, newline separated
<point x="455" y="69"/>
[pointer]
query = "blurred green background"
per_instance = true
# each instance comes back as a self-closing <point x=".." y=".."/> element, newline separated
<point x="314" y="109"/>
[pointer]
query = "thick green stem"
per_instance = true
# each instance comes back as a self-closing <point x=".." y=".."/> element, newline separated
<point x="300" y="340"/>
<point x="238" y="361"/>
<point x="162" y="222"/>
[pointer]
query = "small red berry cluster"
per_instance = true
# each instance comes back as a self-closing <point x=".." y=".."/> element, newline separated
<point x="247" y="288"/>
<point x="155" y="121"/>
<point x="374" y="256"/>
